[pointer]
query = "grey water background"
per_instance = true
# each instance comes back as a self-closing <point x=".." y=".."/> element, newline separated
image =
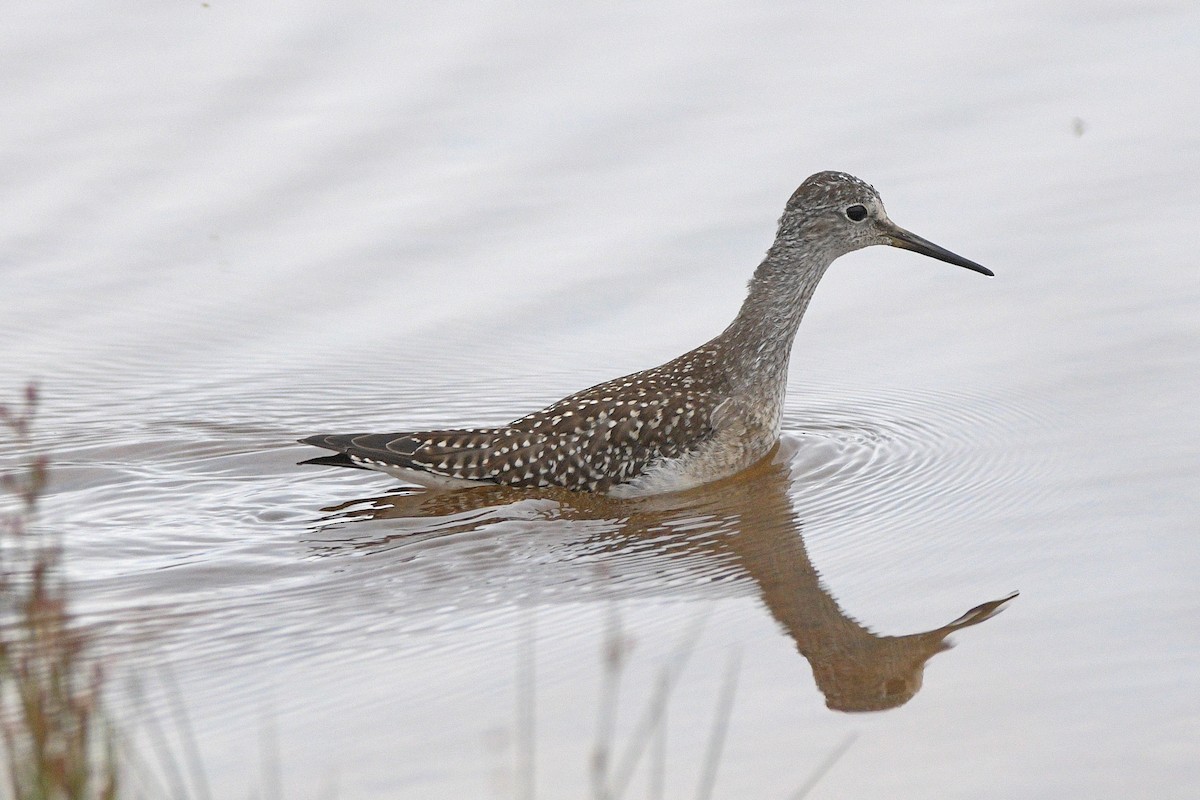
<point x="229" y="225"/>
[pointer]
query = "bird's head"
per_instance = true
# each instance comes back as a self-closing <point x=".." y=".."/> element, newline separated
<point x="840" y="213"/>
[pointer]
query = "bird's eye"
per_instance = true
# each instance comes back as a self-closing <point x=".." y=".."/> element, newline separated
<point x="857" y="213"/>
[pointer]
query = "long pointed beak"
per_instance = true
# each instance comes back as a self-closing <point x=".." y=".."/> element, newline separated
<point x="898" y="237"/>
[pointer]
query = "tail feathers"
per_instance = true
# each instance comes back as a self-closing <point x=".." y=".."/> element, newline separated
<point x="492" y="455"/>
<point x="342" y="444"/>
<point x="326" y="441"/>
<point x="339" y="460"/>
<point x="374" y="450"/>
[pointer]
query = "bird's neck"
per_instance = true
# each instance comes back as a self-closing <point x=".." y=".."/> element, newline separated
<point x="758" y="343"/>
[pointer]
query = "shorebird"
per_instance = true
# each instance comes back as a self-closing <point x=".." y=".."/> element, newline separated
<point x="702" y="416"/>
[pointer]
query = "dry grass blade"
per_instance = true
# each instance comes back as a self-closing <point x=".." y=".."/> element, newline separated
<point x="655" y="710"/>
<point x="526" y="706"/>
<point x="57" y="743"/>
<point x="716" y="742"/>
<point x="824" y="767"/>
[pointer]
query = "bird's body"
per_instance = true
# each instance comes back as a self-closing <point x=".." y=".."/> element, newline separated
<point x="702" y="416"/>
<point x="662" y="429"/>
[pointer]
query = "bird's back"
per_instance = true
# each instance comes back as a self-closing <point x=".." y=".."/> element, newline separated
<point x="594" y="440"/>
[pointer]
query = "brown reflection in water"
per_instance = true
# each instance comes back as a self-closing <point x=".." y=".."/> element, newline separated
<point x="747" y="525"/>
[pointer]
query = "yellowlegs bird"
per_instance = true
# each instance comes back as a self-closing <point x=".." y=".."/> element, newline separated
<point x="705" y="415"/>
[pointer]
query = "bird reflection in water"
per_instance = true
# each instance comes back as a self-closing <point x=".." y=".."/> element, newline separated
<point x="742" y="529"/>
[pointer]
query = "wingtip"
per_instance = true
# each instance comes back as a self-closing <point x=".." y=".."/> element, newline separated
<point x="318" y="440"/>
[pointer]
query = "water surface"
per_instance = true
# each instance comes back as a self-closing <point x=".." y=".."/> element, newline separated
<point x="228" y="227"/>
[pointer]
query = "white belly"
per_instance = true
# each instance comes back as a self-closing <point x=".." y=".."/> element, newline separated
<point x="721" y="457"/>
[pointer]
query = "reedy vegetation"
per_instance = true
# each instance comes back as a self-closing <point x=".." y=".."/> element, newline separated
<point x="57" y="743"/>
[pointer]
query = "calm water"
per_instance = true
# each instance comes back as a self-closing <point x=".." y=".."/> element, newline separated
<point x="227" y="227"/>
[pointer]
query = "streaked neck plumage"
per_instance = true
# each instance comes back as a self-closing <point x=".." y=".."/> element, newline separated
<point x="757" y="345"/>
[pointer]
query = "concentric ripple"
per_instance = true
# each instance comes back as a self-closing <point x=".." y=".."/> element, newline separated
<point x="900" y="455"/>
<point x="195" y="511"/>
